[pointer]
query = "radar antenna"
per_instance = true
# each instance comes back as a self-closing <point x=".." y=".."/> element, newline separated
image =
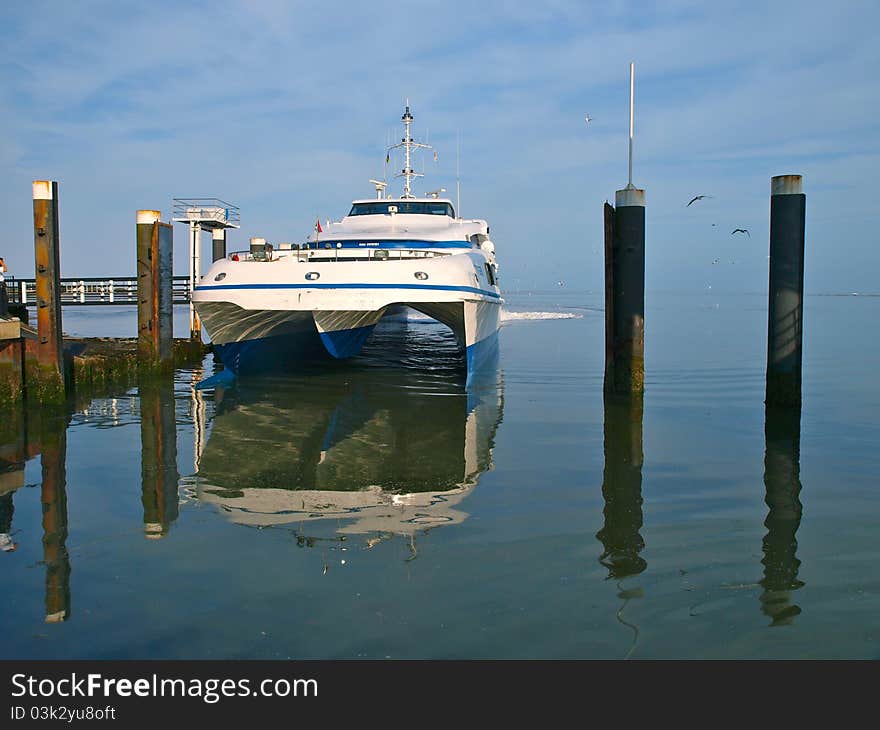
<point x="407" y="173"/>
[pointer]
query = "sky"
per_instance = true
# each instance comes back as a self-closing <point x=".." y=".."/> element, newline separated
<point x="285" y="109"/>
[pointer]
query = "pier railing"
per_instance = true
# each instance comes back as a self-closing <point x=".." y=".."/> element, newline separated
<point x="85" y="291"/>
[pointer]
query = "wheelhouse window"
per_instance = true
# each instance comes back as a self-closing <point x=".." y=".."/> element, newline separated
<point x="409" y="207"/>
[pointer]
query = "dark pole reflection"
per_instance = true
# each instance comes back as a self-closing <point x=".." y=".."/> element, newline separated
<point x="13" y="455"/>
<point x="782" y="433"/>
<point x="53" y="497"/>
<point x="159" y="477"/>
<point x="622" y="487"/>
<point x="7" y="510"/>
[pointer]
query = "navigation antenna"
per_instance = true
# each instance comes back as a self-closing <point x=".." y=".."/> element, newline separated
<point x="458" y="172"/>
<point x="632" y="88"/>
<point x="408" y="174"/>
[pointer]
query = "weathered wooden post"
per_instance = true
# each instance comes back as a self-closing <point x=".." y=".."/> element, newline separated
<point x="155" y="302"/>
<point x="788" y="206"/>
<point x="53" y="496"/>
<point x="218" y="244"/>
<point x="46" y="375"/>
<point x="159" y="477"/>
<point x="622" y="487"/>
<point x="782" y="436"/>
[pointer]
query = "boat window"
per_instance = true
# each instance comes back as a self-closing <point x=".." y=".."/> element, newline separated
<point x="380" y="207"/>
<point x="490" y="274"/>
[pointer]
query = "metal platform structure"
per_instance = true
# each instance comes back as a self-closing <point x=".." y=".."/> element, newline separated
<point x="204" y="214"/>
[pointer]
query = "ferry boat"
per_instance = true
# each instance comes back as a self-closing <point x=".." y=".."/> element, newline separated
<point x="275" y="304"/>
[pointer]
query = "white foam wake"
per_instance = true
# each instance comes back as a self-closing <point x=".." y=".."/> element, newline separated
<point x="520" y="316"/>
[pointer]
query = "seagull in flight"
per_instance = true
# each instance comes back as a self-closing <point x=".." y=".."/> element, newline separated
<point x="696" y="198"/>
<point x="588" y="119"/>
<point x="741" y="230"/>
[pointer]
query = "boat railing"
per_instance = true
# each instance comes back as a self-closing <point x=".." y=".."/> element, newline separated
<point x="304" y="254"/>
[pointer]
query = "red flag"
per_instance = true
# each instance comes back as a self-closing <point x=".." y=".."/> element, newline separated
<point x="318" y="226"/>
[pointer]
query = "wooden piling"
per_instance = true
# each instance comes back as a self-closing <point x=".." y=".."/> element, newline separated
<point x="625" y="292"/>
<point x="154" y="281"/>
<point x="218" y="244"/>
<point x="45" y="373"/>
<point x="788" y="207"/>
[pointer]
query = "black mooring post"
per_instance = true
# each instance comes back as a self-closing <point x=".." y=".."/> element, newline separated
<point x="625" y="293"/>
<point x="788" y="207"/>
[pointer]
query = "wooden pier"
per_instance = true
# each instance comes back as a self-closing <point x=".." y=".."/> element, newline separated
<point x="38" y="366"/>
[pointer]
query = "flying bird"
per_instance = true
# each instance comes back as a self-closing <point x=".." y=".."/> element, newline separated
<point x="741" y="230"/>
<point x="696" y="198"/>
<point x="588" y="119"/>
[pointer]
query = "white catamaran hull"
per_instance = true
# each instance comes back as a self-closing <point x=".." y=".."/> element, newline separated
<point x="265" y="315"/>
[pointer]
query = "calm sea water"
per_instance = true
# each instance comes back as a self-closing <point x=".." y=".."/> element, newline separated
<point x="374" y="509"/>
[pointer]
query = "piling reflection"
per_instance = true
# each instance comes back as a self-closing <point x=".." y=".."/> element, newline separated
<point x="13" y="454"/>
<point x="159" y="476"/>
<point x="53" y="498"/>
<point x="620" y="535"/>
<point x="11" y="478"/>
<point x="622" y="487"/>
<point x="380" y="452"/>
<point x="782" y="432"/>
<point x="42" y="433"/>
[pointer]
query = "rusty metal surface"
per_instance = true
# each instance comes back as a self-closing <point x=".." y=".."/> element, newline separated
<point x="48" y="274"/>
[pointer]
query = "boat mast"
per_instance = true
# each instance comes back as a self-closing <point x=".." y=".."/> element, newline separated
<point x="408" y="174"/>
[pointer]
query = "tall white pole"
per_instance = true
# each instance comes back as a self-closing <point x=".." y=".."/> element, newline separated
<point x="194" y="271"/>
<point x="632" y="87"/>
<point x="458" y="173"/>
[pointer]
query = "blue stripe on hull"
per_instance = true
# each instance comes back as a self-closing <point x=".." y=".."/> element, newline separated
<point x="310" y="285"/>
<point x="481" y="357"/>
<point x="385" y="244"/>
<point x="346" y="343"/>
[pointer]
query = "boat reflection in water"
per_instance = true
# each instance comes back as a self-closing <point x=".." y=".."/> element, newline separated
<point x="383" y="449"/>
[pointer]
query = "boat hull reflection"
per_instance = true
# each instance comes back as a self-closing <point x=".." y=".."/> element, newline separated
<point x="382" y="450"/>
